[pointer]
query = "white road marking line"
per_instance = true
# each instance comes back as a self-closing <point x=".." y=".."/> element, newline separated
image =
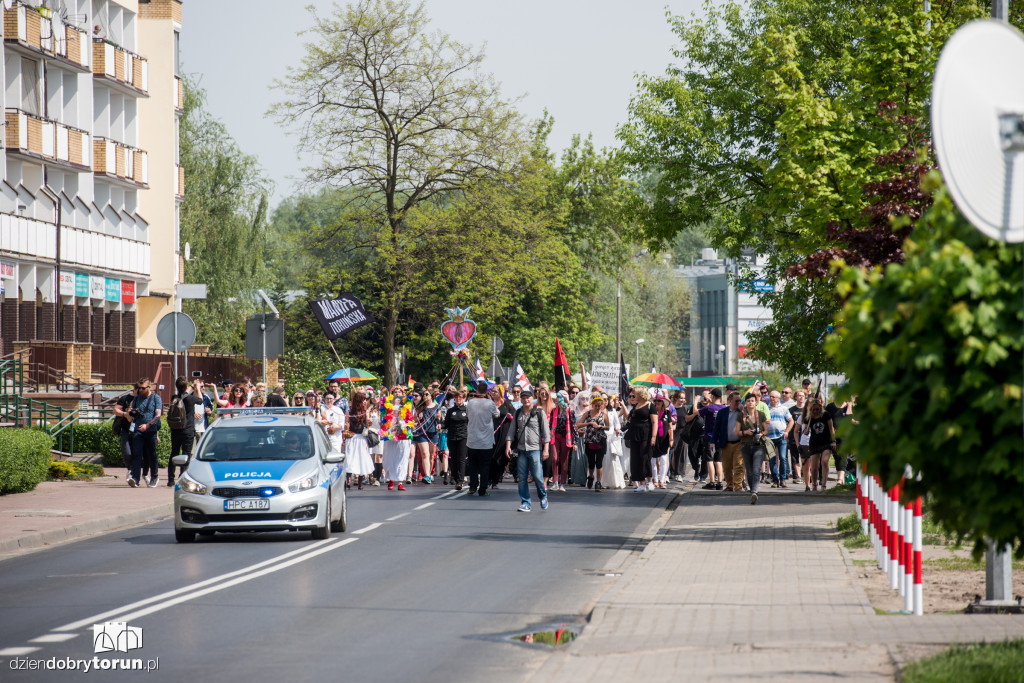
<point x="74" y="626"/>
<point x="132" y="616"/>
<point x="17" y="651"/>
<point x="420" y="507"/>
<point x="54" y="638"/>
<point x="446" y="493"/>
<point x="76" y="576"/>
<point x="368" y="528"/>
<point x="458" y="495"/>
<point x="391" y="519"/>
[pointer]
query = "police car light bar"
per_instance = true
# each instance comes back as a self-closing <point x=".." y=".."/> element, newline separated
<point x="286" y="410"/>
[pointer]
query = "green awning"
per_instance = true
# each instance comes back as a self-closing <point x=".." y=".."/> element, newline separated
<point x="714" y="381"/>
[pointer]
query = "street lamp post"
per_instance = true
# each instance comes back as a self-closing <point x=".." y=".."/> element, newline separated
<point x="657" y="355"/>
<point x="638" y="343"/>
<point x="721" y="359"/>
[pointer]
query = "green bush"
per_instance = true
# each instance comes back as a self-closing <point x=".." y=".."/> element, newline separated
<point x="110" y="446"/>
<point x="24" y="458"/>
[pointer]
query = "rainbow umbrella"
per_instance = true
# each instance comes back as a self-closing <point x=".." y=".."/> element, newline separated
<point x="351" y="375"/>
<point x="658" y="380"/>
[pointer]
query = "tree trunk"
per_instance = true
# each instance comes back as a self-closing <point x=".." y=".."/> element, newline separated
<point x="390" y="326"/>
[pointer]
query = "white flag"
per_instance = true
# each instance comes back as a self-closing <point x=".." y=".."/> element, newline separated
<point x="520" y="377"/>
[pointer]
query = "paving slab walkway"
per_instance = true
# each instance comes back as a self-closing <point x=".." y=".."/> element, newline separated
<point x="727" y="590"/>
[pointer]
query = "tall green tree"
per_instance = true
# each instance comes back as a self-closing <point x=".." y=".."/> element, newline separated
<point x="224" y="218"/>
<point x="770" y="128"/>
<point x="398" y="116"/>
<point x="932" y="349"/>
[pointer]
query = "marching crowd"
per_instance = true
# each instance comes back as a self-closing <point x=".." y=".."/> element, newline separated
<point x="573" y="436"/>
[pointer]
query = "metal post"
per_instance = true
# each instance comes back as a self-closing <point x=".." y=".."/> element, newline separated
<point x="263" y="339"/>
<point x="618" y="318"/>
<point x="1000" y="9"/>
<point x="174" y="310"/>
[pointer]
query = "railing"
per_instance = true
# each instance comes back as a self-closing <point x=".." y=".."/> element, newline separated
<point x="114" y="62"/>
<point x="119" y="160"/>
<point x="31" y="134"/>
<point x="179" y="182"/>
<point x="43" y="377"/>
<point x="44" y="31"/>
<point x="86" y="248"/>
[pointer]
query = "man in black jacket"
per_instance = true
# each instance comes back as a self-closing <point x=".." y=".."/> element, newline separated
<point x="121" y="408"/>
<point x="183" y="437"/>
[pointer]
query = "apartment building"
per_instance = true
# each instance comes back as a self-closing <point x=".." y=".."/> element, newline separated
<point x="91" y="102"/>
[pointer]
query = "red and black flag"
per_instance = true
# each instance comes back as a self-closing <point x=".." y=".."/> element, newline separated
<point x="562" y="375"/>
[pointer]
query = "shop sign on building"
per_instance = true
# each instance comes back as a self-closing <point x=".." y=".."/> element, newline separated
<point x="97" y="287"/>
<point x="127" y="292"/>
<point x="113" y="290"/>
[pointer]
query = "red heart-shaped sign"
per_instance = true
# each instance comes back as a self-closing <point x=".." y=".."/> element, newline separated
<point x="458" y="334"/>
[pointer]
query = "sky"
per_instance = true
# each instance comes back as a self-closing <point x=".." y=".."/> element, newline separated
<point x="577" y="59"/>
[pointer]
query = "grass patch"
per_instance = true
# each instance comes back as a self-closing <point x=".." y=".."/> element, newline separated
<point x="70" y="469"/>
<point x="983" y="663"/>
<point x="849" y="530"/>
<point x="841" y="488"/>
<point x="865" y="563"/>
<point x="959" y="563"/>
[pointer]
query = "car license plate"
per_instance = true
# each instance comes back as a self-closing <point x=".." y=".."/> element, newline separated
<point x="247" y="504"/>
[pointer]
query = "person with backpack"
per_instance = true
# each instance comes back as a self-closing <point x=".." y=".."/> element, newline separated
<point x="529" y="436"/>
<point x="120" y="426"/>
<point x="145" y="411"/>
<point x="181" y="419"/>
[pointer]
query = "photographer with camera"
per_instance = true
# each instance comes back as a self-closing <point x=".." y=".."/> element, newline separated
<point x="122" y="421"/>
<point x="181" y="418"/>
<point x="145" y="412"/>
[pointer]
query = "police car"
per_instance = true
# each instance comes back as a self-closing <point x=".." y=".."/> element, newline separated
<point x="261" y="469"/>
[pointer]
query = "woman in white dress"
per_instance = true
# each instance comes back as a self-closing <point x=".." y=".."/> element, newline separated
<point x="396" y="450"/>
<point x="377" y="451"/>
<point x="613" y="476"/>
<point x="358" y="462"/>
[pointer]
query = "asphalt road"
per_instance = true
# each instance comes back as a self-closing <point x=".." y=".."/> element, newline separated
<point x="420" y="588"/>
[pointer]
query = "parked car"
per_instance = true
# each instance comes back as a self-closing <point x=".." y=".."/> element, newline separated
<point x="261" y="470"/>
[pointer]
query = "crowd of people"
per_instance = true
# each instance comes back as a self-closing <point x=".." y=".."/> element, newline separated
<point x="478" y="436"/>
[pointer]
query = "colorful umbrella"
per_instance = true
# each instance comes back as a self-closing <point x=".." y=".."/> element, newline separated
<point x="658" y="380"/>
<point x="351" y="375"/>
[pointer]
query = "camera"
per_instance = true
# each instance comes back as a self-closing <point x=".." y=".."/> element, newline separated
<point x="197" y="373"/>
<point x="134" y="414"/>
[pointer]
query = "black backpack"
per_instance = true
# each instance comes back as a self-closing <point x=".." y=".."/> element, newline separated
<point x="176" y="413"/>
<point x="696" y="429"/>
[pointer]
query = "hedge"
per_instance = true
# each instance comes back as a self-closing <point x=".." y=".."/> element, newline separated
<point x="110" y="446"/>
<point x="24" y="458"/>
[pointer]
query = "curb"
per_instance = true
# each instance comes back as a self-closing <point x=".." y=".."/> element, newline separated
<point x="90" y="527"/>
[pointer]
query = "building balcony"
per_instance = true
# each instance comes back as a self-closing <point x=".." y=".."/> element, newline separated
<point x="179" y="182"/>
<point x="39" y="31"/>
<point x="122" y="69"/>
<point x="33" y="136"/>
<point x="179" y="95"/>
<point x="120" y="163"/>
<point x="30" y="237"/>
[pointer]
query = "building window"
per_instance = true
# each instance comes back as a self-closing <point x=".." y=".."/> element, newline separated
<point x="177" y="53"/>
<point x="30" y="95"/>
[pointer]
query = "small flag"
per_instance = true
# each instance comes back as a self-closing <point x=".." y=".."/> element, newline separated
<point x="623" y="379"/>
<point x="478" y="371"/>
<point x="519" y="375"/>
<point x="561" y="367"/>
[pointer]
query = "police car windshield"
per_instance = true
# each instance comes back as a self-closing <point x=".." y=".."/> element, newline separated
<point x="257" y="443"/>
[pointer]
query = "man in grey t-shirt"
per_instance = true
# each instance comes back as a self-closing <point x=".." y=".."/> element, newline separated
<point x="480" y="438"/>
<point x="530" y="436"/>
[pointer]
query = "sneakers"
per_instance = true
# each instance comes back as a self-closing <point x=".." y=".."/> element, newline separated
<point x="544" y="503"/>
<point x="472" y="492"/>
<point x="391" y="485"/>
<point x="679" y="478"/>
<point x="131" y="482"/>
<point x="650" y="486"/>
<point x="458" y="487"/>
<point x="153" y="481"/>
<point x="640" y="488"/>
<point x="170" y="482"/>
<point x="526" y="508"/>
<point x="561" y="488"/>
<point x="428" y="480"/>
<point x="590" y="482"/>
<point x="485" y="493"/>
<point x="710" y="485"/>
<point x="597" y="486"/>
<point x="718" y="486"/>
<point x="401" y="487"/>
<point x="753" y="498"/>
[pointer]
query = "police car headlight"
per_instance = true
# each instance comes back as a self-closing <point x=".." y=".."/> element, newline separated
<point x="190" y="485"/>
<point x="304" y="484"/>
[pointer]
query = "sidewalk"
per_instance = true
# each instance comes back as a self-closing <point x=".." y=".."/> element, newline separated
<point x="728" y="590"/>
<point x="55" y="511"/>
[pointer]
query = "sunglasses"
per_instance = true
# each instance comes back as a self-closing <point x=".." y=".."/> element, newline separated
<point x="298" y="398"/>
